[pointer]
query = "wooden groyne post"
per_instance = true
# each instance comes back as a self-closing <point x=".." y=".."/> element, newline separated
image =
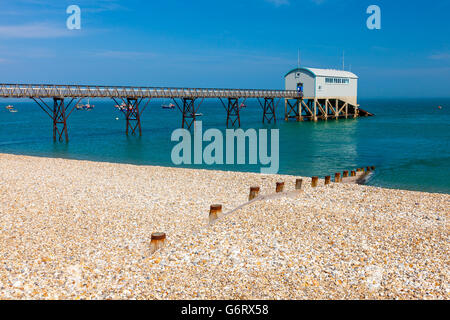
<point x="298" y="184"/>
<point x="158" y="240"/>
<point x="214" y="211"/>
<point x="254" y="192"/>
<point x="337" y="177"/>
<point x="279" y="187"/>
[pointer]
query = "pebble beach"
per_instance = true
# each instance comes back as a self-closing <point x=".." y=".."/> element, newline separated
<point x="75" y="229"/>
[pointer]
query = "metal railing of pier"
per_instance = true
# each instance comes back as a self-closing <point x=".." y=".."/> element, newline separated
<point x="86" y="91"/>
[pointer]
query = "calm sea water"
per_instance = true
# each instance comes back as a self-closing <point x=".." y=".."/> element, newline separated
<point x="408" y="140"/>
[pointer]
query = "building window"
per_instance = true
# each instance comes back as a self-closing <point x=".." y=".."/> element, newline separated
<point x="337" y="80"/>
<point x="297" y="75"/>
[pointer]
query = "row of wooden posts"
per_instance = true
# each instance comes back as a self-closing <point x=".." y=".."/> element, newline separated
<point x="216" y="209"/>
<point x="158" y="238"/>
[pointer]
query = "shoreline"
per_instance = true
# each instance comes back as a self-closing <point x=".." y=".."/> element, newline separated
<point x="207" y="169"/>
<point x="81" y="229"/>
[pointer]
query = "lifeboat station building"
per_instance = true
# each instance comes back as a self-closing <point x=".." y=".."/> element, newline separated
<point x="326" y="93"/>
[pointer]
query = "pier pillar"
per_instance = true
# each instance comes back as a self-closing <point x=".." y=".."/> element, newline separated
<point x="59" y="120"/>
<point x="233" y="116"/>
<point x="268" y="110"/>
<point x="336" y="110"/>
<point x="133" y="116"/>
<point x="189" y="113"/>
<point x="292" y="110"/>
<point x="314" y="118"/>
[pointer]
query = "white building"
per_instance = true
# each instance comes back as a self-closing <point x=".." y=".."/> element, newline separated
<point x="324" y="83"/>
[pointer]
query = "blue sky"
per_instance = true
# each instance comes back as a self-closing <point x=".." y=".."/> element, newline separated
<point x="246" y="44"/>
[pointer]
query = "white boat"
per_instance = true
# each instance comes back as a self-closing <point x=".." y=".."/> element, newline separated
<point x="86" y="106"/>
<point x="9" y="107"/>
<point x="122" y="106"/>
<point x="168" y="106"/>
<point x="13" y="110"/>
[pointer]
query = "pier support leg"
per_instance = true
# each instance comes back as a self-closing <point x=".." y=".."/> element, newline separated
<point x="59" y="112"/>
<point x="133" y="117"/>
<point x="315" y="111"/>
<point x="292" y="110"/>
<point x="233" y="116"/>
<point x="188" y="113"/>
<point x="59" y="120"/>
<point x="268" y="110"/>
<point x="336" y="110"/>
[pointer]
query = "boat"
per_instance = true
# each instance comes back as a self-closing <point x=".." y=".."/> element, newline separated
<point x="198" y="114"/>
<point x="89" y="106"/>
<point x="242" y="106"/>
<point x="168" y="106"/>
<point x="439" y="107"/>
<point x="9" y="107"/>
<point x="121" y="107"/>
<point x="86" y="106"/>
<point x="12" y="110"/>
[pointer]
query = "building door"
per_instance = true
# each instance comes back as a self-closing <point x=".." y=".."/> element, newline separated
<point x="300" y="87"/>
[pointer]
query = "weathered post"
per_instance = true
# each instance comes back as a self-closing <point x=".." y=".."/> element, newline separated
<point x="280" y="187"/>
<point x="254" y="191"/>
<point x="345" y="174"/>
<point x="327" y="180"/>
<point x="298" y="184"/>
<point x="157" y="241"/>
<point x="314" y="181"/>
<point x="214" y="210"/>
<point x="372" y="168"/>
<point x="337" y="177"/>
<point x="353" y="173"/>
<point x="368" y="169"/>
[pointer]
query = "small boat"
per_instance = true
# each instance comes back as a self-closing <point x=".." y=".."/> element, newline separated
<point x="13" y="110"/>
<point x="168" y="106"/>
<point x="198" y="114"/>
<point x="242" y="106"/>
<point x="89" y="106"/>
<point x="86" y="106"/>
<point x="439" y="107"/>
<point x="9" y="107"/>
<point x="121" y="107"/>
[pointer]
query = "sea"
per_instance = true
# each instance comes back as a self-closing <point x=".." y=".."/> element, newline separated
<point x="408" y="140"/>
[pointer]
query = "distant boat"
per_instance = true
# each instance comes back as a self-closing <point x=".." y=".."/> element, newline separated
<point x="243" y="106"/>
<point x="439" y="107"/>
<point x="168" y="106"/>
<point x="9" y="107"/>
<point x="86" y="106"/>
<point x="198" y="114"/>
<point x="12" y="110"/>
<point x="121" y="107"/>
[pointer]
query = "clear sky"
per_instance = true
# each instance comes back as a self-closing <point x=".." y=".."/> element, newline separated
<point x="239" y="44"/>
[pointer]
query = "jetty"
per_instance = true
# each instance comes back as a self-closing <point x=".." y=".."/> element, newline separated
<point x="57" y="102"/>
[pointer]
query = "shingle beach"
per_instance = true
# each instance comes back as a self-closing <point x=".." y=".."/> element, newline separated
<point x="74" y="229"/>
